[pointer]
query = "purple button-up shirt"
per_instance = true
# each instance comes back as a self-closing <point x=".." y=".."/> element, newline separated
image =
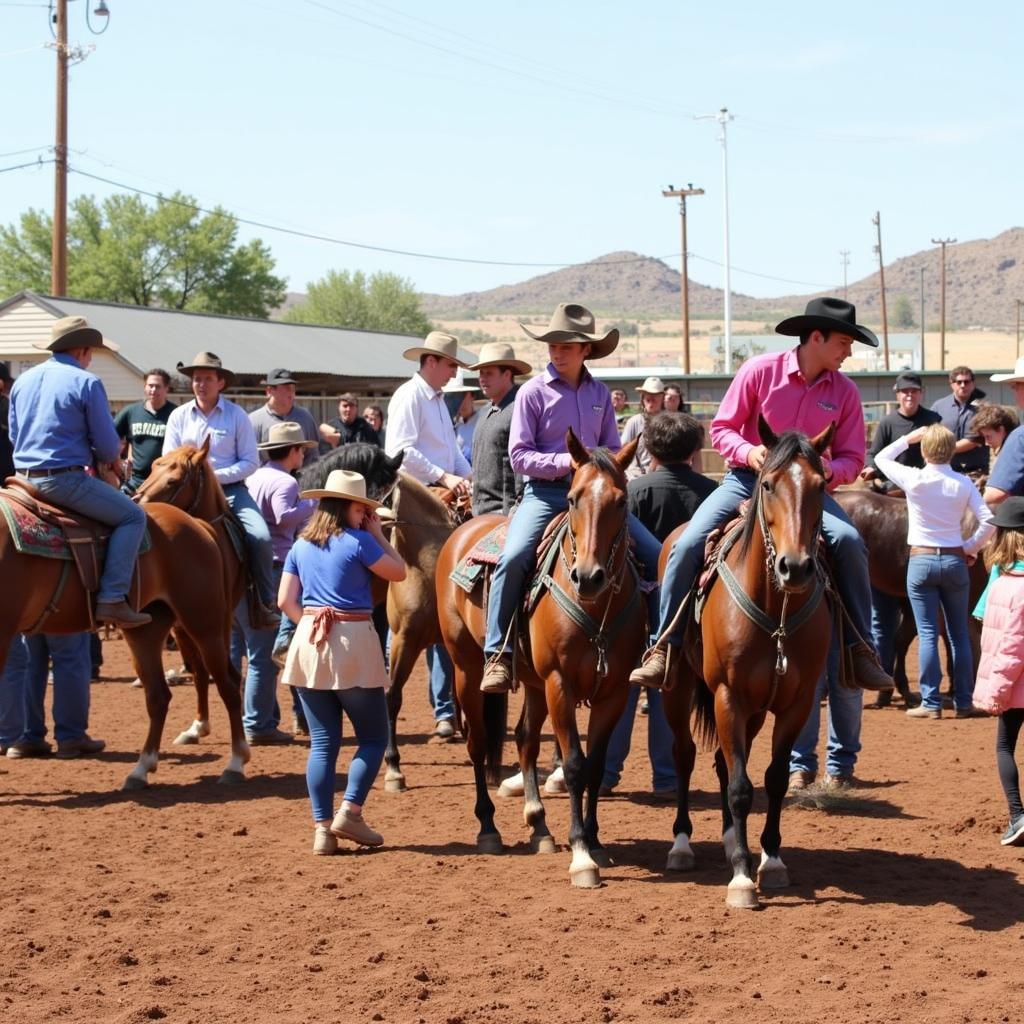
<point x="276" y="492"/>
<point x="545" y="408"/>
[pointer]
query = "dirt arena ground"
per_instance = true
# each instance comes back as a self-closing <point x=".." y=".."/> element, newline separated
<point x="194" y="902"/>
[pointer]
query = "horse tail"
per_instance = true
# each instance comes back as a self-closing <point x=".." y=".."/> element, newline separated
<point x="704" y="710"/>
<point x="495" y="727"/>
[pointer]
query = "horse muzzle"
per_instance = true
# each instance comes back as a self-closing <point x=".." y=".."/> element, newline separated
<point x="589" y="583"/>
<point x="794" y="572"/>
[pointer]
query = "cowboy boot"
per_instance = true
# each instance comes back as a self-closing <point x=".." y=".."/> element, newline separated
<point x="497" y="676"/>
<point x="658" y="666"/>
<point x="118" y="613"/>
<point x="867" y="670"/>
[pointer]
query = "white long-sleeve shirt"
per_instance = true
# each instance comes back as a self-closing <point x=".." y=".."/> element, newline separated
<point x="420" y="425"/>
<point x="937" y="497"/>
<point x="233" y="452"/>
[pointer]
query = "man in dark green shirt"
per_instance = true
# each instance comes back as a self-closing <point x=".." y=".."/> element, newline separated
<point x="144" y="424"/>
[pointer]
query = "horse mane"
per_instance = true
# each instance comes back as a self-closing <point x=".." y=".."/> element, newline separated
<point x="414" y="502"/>
<point x="605" y="461"/>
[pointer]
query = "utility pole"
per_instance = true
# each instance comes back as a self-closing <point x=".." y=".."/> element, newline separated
<point x="943" y="242"/>
<point x="881" y="278"/>
<point x="1019" y="303"/>
<point x="922" y="319"/>
<point x="723" y="117"/>
<point x="59" y="246"/>
<point x="845" y="254"/>
<point x="684" y="282"/>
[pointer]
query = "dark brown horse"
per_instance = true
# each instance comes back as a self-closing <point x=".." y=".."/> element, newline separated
<point x="583" y="637"/>
<point x="765" y="631"/>
<point x="181" y="579"/>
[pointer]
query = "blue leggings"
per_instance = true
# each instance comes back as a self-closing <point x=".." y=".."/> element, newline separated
<point x="367" y="710"/>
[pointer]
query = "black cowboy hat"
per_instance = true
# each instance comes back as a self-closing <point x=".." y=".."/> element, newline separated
<point x="828" y="315"/>
<point x="1010" y="514"/>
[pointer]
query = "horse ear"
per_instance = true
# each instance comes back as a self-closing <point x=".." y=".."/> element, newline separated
<point x="626" y="453"/>
<point x="824" y="439"/>
<point x="767" y="435"/>
<point x="577" y="449"/>
<point x="204" y="448"/>
<point x="395" y="461"/>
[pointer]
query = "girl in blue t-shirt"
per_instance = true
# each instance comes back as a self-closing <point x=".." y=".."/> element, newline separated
<point x="335" y="661"/>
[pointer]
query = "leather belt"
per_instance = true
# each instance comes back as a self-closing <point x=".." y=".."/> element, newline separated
<point x="30" y="473"/>
<point x="917" y="550"/>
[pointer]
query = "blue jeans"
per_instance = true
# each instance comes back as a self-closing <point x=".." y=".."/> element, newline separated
<point x="12" y="692"/>
<point x="844" y="717"/>
<point x="72" y="668"/>
<point x="106" y="504"/>
<point x="934" y="580"/>
<point x="659" y="743"/>
<point x="367" y="710"/>
<point x="442" y="673"/>
<point x="886" y="611"/>
<point x="542" y="500"/>
<point x="257" y="539"/>
<point x="687" y="557"/>
<point x="260" y="713"/>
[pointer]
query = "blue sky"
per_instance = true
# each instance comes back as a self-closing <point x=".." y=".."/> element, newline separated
<point x="540" y="132"/>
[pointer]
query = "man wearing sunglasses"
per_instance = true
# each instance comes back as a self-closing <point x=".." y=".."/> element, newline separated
<point x="957" y="410"/>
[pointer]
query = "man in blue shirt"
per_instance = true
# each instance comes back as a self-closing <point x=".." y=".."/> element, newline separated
<point x="957" y="410"/>
<point x="1008" y="477"/>
<point x="60" y="423"/>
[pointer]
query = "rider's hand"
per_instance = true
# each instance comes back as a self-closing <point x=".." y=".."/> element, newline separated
<point x="456" y="484"/>
<point x="756" y="457"/>
<point x="869" y="473"/>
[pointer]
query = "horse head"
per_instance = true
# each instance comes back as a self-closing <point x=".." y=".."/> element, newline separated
<point x="182" y="477"/>
<point x="378" y="469"/>
<point x="789" y="500"/>
<point x="597" y="516"/>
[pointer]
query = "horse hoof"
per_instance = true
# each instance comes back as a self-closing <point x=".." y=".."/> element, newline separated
<point x="489" y="843"/>
<point x="742" y="894"/>
<point x="680" y="861"/>
<point x="543" y="844"/>
<point x="395" y="785"/>
<point x="512" y="787"/>
<point x="772" y="874"/>
<point x="601" y="857"/>
<point x="133" y="782"/>
<point x="186" y="739"/>
<point x="229" y="777"/>
<point x="585" y="878"/>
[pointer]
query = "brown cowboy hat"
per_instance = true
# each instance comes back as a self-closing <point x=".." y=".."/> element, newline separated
<point x="500" y="353"/>
<point x="575" y="323"/>
<point x="207" y="361"/>
<point x="73" y="332"/>
<point x="436" y="343"/>
<point x="826" y="315"/>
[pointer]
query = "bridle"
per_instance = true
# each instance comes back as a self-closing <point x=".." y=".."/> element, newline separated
<point x="187" y="477"/>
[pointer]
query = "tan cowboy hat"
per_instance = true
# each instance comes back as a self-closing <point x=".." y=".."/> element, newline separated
<point x="206" y="361"/>
<point x="458" y="385"/>
<point x="572" y="322"/>
<point x="436" y="343"/>
<point x="73" y="332"/>
<point x="1017" y="373"/>
<point x="652" y="386"/>
<point x="344" y="484"/>
<point x="285" y="434"/>
<point x="499" y="353"/>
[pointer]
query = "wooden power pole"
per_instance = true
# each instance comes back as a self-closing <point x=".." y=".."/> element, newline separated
<point x="943" y="242"/>
<point x="59" y="245"/>
<point x="684" y="281"/>
<point x="877" y="221"/>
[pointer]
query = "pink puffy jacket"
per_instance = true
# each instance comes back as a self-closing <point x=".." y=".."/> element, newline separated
<point x="1000" y="683"/>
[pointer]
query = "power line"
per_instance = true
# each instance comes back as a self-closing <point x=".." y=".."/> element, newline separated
<point x="754" y="273"/>
<point x="21" y="152"/>
<point x="20" y="167"/>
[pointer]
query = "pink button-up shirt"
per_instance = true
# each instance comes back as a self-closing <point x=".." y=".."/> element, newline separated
<point x="773" y="385"/>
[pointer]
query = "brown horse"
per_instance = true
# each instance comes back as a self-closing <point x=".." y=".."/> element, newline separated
<point x="181" y="579"/>
<point x="583" y="637"/>
<point x="769" y="587"/>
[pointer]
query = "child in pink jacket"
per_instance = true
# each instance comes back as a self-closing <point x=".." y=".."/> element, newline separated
<point x="999" y="689"/>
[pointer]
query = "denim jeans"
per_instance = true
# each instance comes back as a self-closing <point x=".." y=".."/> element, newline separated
<point x="257" y="539"/>
<point x="934" y="580"/>
<point x="885" y="620"/>
<point x="12" y="692"/>
<point x="72" y="669"/>
<point x="844" y="717"/>
<point x="687" y="556"/>
<point x="542" y="501"/>
<point x="659" y="743"/>
<point x="442" y="674"/>
<point x="83" y="493"/>
<point x="260" y="713"/>
<point x="367" y="710"/>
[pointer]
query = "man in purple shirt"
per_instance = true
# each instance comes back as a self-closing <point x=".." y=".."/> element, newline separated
<point x="565" y="395"/>
<point x="799" y="389"/>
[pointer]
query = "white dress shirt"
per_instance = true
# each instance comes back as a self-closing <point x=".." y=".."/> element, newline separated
<point x="937" y="497"/>
<point x="420" y="425"/>
<point x="233" y="452"/>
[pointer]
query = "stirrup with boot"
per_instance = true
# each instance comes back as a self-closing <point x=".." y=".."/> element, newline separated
<point x="118" y="613"/>
<point x="867" y="670"/>
<point x="659" y="663"/>
<point x="497" y="677"/>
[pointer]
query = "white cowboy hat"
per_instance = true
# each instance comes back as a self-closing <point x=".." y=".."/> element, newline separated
<point x="652" y="386"/>
<point x="1017" y="373"/>
<point x="73" y="332"/>
<point x="575" y="323"/>
<point x="436" y="343"/>
<point x="499" y="353"/>
<point x="286" y="434"/>
<point x="344" y="484"/>
<point x="458" y="386"/>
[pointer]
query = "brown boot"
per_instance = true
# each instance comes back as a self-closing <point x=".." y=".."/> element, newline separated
<point x="117" y="613"/>
<point x="867" y="671"/>
<point x="799" y="781"/>
<point x="263" y="617"/>
<point x="659" y="661"/>
<point x="497" y="675"/>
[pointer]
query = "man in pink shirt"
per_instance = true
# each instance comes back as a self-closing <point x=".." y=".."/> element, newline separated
<point x="799" y="389"/>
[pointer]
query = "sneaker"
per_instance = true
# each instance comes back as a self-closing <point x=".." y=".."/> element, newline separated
<point x="654" y="670"/>
<point x="868" y="671"/>
<point x="325" y="842"/>
<point x="349" y="825"/>
<point x="445" y="729"/>
<point x="276" y="737"/>
<point x="497" y="676"/>
<point x="799" y="781"/>
<point x="118" y="613"/>
<point x="84" y="746"/>
<point x="922" y="712"/>
<point x="1014" y="832"/>
<point x="29" y="748"/>
<point x="555" y="782"/>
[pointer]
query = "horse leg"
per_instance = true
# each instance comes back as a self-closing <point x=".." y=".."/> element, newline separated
<point x="772" y="873"/>
<point x="201" y="723"/>
<point x="732" y="733"/>
<point x="603" y="718"/>
<point x="146" y="644"/>
<point x="531" y="721"/>
<point x="468" y="671"/>
<point x="677" y="703"/>
<point x="403" y="658"/>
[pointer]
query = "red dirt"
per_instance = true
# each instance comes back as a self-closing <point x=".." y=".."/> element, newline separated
<point x="196" y="902"/>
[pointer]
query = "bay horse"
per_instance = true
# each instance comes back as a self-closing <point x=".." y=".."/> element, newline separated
<point x="581" y="640"/>
<point x="770" y="586"/>
<point x="180" y="579"/>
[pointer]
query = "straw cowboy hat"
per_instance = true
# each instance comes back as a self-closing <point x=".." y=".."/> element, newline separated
<point x="572" y="322"/>
<point x="436" y="343"/>
<point x="286" y="434"/>
<point x="652" y="386"/>
<point x="499" y="353"/>
<point x="343" y="484"/>
<point x="828" y="315"/>
<point x="73" y="332"/>
<point x="1017" y="373"/>
<point x="458" y="386"/>
<point x="206" y="361"/>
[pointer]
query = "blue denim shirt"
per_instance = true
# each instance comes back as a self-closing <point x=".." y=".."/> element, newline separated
<point x="60" y="417"/>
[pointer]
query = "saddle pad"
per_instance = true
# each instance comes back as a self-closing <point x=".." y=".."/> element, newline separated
<point x="470" y="569"/>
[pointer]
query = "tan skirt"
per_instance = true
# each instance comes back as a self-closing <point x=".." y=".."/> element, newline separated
<point x="351" y="657"/>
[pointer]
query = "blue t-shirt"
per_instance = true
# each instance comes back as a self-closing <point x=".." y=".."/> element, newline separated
<point x="1008" y="475"/>
<point x="338" y="575"/>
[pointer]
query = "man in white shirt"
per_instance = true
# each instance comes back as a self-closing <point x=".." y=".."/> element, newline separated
<point x="234" y="456"/>
<point x="420" y="425"/>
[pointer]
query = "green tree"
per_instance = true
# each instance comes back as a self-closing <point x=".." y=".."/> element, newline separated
<point x="168" y="254"/>
<point x="380" y="302"/>
<point x="903" y="312"/>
